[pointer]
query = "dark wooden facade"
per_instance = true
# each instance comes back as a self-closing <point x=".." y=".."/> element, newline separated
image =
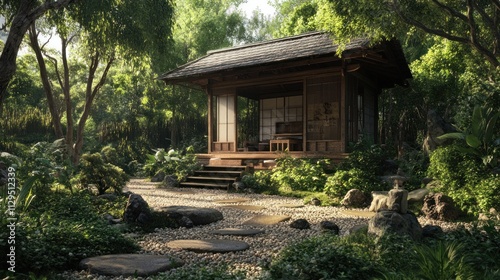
<point x="293" y="94"/>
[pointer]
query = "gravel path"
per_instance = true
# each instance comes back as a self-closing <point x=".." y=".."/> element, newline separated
<point x="263" y="247"/>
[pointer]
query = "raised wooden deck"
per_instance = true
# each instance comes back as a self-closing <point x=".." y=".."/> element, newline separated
<point x="258" y="159"/>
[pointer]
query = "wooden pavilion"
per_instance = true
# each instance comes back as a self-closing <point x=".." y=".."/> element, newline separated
<point x="295" y="94"/>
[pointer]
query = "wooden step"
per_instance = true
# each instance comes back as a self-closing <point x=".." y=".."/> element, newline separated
<point x="211" y="178"/>
<point x="218" y="172"/>
<point x="204" y="185"/>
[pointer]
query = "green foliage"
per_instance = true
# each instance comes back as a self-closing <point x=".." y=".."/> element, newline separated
<point x="172" y="163"/>
<point x="481" y="137"/>
<point x="299" y="174"/>
<point x="481" y="242"/>
<point x="93" y="171"/>
<point x="57" y="234"/>
<point x="463" y="177"/>
<point x="202" y="271"/>
<point x="361" y="170"/>
<point x="325" y="257"/>
<point x="342" y="181"/>
<point x="443" y="261"/>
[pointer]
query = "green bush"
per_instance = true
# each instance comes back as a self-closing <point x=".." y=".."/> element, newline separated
<point x="61" y="231"/>
<point x="344" y="180"/>
<point x="93" y="171"/>
<point x="295" y="174"/>
<point x="369" y="159"/>
<point x="464" y="178"/>
<point x="172" y="163"/>
<point x="326" y="257"/>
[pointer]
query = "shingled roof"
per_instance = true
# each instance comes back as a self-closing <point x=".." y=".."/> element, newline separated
<point x="279" y="50"/>
<point x="385" y="62"/>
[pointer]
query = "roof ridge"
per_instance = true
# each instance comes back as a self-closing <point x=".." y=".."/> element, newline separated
<point x="272" y="41"/>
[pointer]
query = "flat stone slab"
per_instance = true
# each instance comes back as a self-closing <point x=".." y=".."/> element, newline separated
<point x="417" y="195"/>
<point x="264" y="220"/>
<point x="129" y="264"/>
<point x="237" y="231"/>
<point x="245" y="207"/>
<point x="208" y="245"/>
<point x="232" y="200"/>
<point x="357" y="213"/>
<point x="291" y="205"/>
<point x="198" y="215"/>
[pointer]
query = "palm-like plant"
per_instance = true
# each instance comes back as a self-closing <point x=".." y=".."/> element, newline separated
<point x="481" y="137"/>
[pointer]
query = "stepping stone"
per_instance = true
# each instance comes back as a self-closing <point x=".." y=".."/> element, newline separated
<point x="291" y="205"/>
<point x="237" y="231"/>
<point x="357" y="213"/>
<point x="129" y="264"/>
<point x="246" y="207"/>
<point x="233" y="200"/>
<point x="264" y="220"/>
<point x="209" y="245"/>
<point x="198" y="215"/>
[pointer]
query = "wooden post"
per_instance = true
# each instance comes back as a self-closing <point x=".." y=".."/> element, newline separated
<point x="208" y="90"/>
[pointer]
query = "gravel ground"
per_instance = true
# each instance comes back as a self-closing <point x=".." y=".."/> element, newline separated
<point x="263" y="247"/>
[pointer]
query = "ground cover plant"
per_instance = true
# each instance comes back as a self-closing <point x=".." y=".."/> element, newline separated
<point x="58" y="224"/>
<point x="452" y="255"/>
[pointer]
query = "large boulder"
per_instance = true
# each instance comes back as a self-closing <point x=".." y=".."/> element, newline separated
<point x="137" y="211"/>
<point x="354" y="198"/>
<point x="392" y="222"/>
<point x="198" y="216"/>
<point x="170" y="181"/>
<point x="440" y="207"/>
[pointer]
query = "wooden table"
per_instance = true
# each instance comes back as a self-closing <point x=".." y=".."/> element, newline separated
<point x="283" y="144"/>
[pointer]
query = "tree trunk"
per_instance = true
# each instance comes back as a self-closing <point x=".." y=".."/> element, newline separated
<point x="90" y="95"/>
<point x="27" y="13"/>
<point x="56" y="121"/>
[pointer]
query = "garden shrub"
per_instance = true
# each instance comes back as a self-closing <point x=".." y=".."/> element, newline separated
<point x="57" y="234"/>
<point x="172" y="163"/>
<point x="344" y="180"/>
<point x="464" y="178"/>
<point x="295" y="174"/>
<point x="93" y="171"/>
<point x="325" y="257"/>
